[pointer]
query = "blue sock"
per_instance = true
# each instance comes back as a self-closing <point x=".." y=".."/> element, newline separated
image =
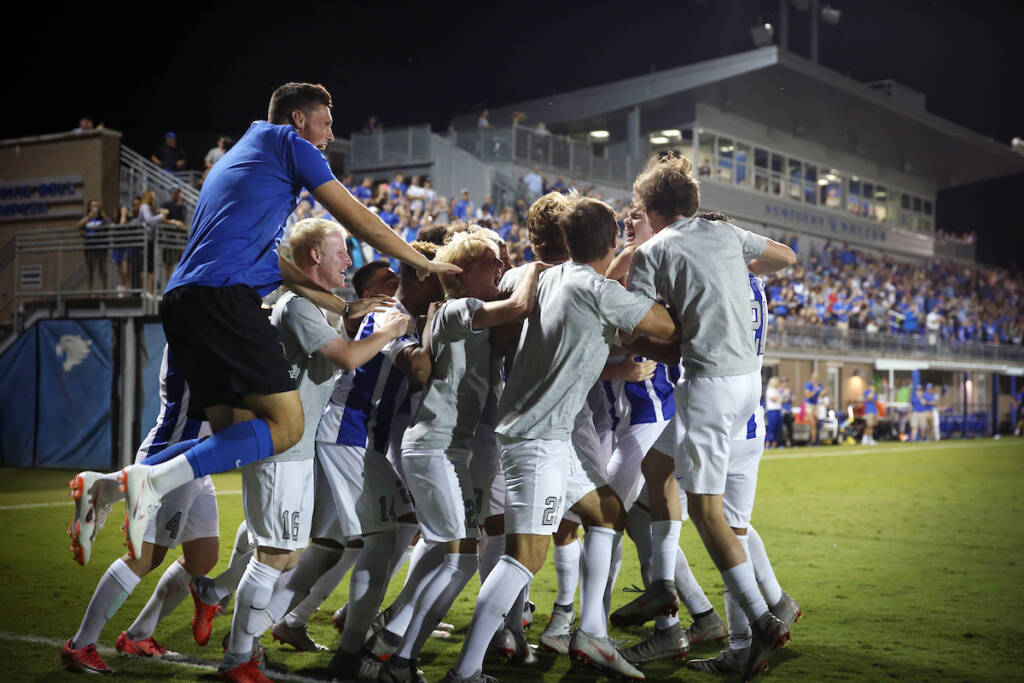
<point x="228" y="449"/>
<point x="169" y="452"/>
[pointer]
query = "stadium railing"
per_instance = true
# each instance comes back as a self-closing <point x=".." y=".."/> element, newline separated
<point x="397" y="147"/>
<point x="788" y="336"/>
<point x="955" y="252"/>
<point x="52" y="264"/>
<point x="139" y="174"/>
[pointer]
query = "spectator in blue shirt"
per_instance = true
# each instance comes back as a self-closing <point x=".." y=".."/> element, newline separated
<point x="463" y="207"/>
<point x="870" y="416"/>
<point x="919" y="416"/>
<point x="364" y="191"/>
<point x="812" y="393"/>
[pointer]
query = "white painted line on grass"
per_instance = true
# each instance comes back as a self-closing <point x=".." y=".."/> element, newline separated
<point x="184" y="661"/>
<point x="895" y="449"/>
<point x="29" y="506"/>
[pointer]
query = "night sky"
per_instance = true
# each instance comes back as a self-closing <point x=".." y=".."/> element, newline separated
<point x="203" y="69"/>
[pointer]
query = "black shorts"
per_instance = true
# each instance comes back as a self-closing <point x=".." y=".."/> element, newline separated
<point x="224" y="345"/>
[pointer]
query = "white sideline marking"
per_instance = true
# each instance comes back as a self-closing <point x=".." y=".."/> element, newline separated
<point x="185" y="661"/>
<point x="29" y="506"/>
<point x="895" y="449"/>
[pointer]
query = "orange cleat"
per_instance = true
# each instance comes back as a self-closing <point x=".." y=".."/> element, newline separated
<point x="139" y="648"/>
<point x="84" y="660"/>
<point x="202" y="616"/>
<point x="244" y="673"/>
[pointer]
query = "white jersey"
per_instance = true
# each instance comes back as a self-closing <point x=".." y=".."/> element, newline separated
<point x="758" y="316"/>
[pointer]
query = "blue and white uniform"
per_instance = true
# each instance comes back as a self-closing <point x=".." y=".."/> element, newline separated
<point x="358" y="489"/>
<point x="190" y="511"/>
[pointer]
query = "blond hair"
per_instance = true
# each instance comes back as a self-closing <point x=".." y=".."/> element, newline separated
<point x="309" y="234"/>
<point x="463" y="249"/>
<point x="542" y="223"/>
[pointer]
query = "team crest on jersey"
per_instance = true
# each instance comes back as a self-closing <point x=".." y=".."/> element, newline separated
<point x="74" y="348"/>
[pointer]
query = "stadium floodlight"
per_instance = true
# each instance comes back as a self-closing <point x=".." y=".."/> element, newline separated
<point x="762" y="34"/>
<point x="830" y="15"/>
<point x="599" y="134"/>
<point x="659" y="139"/>
<point x="823" y="181"/>
<point x="672" y="133"/>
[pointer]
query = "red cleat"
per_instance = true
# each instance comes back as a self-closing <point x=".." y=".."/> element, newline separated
<point x="85" y="659"/>
<point x="244" y="673"/>
<point x="139" y="648"/>
<point x="202" y="617"/>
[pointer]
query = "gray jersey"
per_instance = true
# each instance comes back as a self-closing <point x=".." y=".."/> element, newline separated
<point x="303" y="329"/>
<point x="459" y="382"/>
<point x="699" y="268"/>
<point x="563" y="349"/>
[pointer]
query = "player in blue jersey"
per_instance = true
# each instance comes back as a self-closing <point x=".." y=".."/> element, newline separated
<point x="870" y="416"/>
<point x="812" y="395"/>
<point x="227" y="349"/>
<point x="188" y="517"/>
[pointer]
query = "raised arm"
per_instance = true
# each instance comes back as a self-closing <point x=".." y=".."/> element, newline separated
<point x="365" y="225"/>
<point x="775" y="257"/>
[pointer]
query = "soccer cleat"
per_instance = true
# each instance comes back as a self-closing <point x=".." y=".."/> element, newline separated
<point x="729" y="661"/>
<point x="339" y="618"/>
<point x="558" y="632"/>
<point x="94" y="494"/>
<point x="444" y="626"/>
<point x="669" y="643"/>
<point x="249" y="672"/>
<point x="410" y="674"/>
<point x="146" y="647"/>
<point x="141" y="502"/>
<point x="768" y="634"/>
<point x="528" y="609"/>
<point x="298" y="638"/>
<point x="787" y="610"/>
<point x="378" y="648"/>
<point x="705" y="628"/>
<point x="84" y="659"/>
<point x="524" y="654"/>
<point x="476" y="677"/>
<point x="503" y="644"/>
<point x="603" y="654"/>
<point x="355" y="667"/>
<point x="202" y="613"/>
<point x="660" y="598"/>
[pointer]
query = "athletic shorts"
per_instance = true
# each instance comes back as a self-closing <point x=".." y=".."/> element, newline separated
<point x="536" y="475"/>
<point x="715" y="412"/>
<point x="358" y="492"/>
<point x="186" y="513"/>
<point x="224" y="344"/>
<point x="278" y="501"/>
<point x="442" y="487"/>
<point x="485" y="471"/>
<point x="741" y="480"/>
<point x="871" y="419"/>
<point x="583" y="478"/>
<point x="630" y="446"/>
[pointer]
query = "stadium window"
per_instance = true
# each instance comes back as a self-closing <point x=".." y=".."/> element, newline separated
<point x="795" y="183"/>
<point x="760" y="158"/>
<point x="778" y="163"/>
<point x="906" y="216"/>
<point x="742" y="159"/>
<point x="705" y="153"/>
<point x="810" y="183"/>
<point x="868" y="200"/>
<point x="831" y="189"/>
<point x="853" y="197"/>
<point x="881" y="205"/>
<point x="686" y="140"/>
<point x="761" y="170"/>
<point x="927" y="208"/>
<point x="725" y="160"/>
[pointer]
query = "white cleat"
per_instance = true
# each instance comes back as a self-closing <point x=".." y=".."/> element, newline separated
<point x="94" y="493"/>
<point x="141" y="503"/>
<point x="601" y="653"/>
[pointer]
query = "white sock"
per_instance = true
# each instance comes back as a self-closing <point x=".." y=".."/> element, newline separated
<point x="613" y="574"/>
<point x="401" y="608"/>
<point x="665" y="543"/>
<point x="249" y="620"/>
<point x="169" y="475"/>
<point x="170" y="590"/>
<point x="416" y="555"/>
<point x="762" y="567"/>
<point x="690" y="592"/>
<point x="504" y="584"/>
<point x="114" y="587"/>
<point x="514" y="618"/>
<point x="567" y="571"/>
<point x="402" y="551"/>
<point x="739" y="626"/>
<point x="294" y="585"/>
<point x="323" y="587"/>
<point x="598" y="551"/>
<point x="491" y="549"/>
<point x="740" y="580"/>
<point x="367" y="586"/>
<point x="435" y="599"/>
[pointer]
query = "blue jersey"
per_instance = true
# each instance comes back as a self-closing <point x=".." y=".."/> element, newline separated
<point x="917" y="402"/>
<point x="758" y="315"/>
<point x="870" y="407"/>
<point x="242" y="207"/>
<point x="364" y="403"/>
<point x="173" y="423"/>
<point x="815" y="390"/>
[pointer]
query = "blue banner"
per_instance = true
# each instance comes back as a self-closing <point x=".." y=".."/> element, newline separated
<point x="75" y="382"/>
<point x="149" y="359"/>
<point x="18" y="402"/>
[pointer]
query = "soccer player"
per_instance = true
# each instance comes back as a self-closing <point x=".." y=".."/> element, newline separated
<point x="436" y="447"/>
<point x="812" y="394"/>
<point x="919" y="416"/>
<point x="188" y="517"/>
<point x="773" y="412"/>
<point x="358" y="491"/>
<point x="277" y="492"/>
<point x="227" y="350"/>
<point x="699" y="268"/>
<point x="560" y="355"/>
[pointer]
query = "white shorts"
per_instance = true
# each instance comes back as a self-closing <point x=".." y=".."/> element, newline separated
<point x="714" y="411"/>
<point x="440" y="483"/>
<point x="358" y="492"/>
<point x="588" y="443"/>
<point x="186" y="513"/>
<point x="536" y="474"/>
<point x="630" y="446"/>
<point x="584" y="477"/>
<point x="485" y="471"/>
<point x="741" y="481"/>
<point x="277" y="498"/>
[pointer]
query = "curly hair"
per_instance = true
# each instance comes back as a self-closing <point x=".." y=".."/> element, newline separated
<point x="542" y="225"/>
<point x="667" y="187"/>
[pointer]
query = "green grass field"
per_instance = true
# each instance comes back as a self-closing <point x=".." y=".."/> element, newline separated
<point x="907" y="560"/>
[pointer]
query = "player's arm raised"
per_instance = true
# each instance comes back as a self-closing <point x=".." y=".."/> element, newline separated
<point x="775" y="257"/>
<point x="349" y="355"/>
<point x="365" y="225"/>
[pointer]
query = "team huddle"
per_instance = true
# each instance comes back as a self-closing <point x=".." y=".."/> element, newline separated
<point x="458" y="416"/>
